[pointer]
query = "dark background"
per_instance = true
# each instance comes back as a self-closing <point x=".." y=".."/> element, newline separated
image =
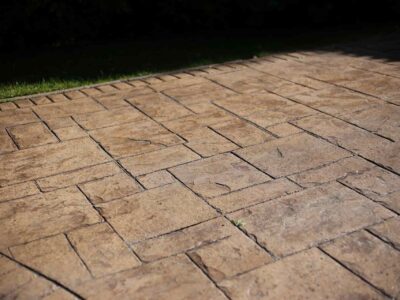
<point x="32" y="23"/>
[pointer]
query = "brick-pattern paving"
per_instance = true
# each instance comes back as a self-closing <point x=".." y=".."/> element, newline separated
<point x="272" y="178"/>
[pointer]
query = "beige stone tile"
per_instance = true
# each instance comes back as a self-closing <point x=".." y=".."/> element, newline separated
<point x="6" y="143"/>
<point x="135" y="138"/>
<point x="382" y="119"/>
<point x="7" y="106"/>
<point x="355" y="139"/>
<point x="185" y="239"/>
<point x="333" y="171"/>
<point x="218" y="175"/>
<point x="17" y="282"/>
<point x="245" y="105"/>
<point x="31" y="135"/>
<point x="110" y="188"/>
<point x="159" y="107"/>
<point x="117" y="99"/>
<point x="43" y="215"/>
<point x="378" y="184"/>
<point x="206" y="96"/>
<point x="175" y="85"/>
<point x="16" y="117"/>
<point x="337" y="101"/>
<point x="107" y="88"/>
<point x="75" y="94"/>
<point x="255" y="194"/>
<point x="55" y="258"/>
<point x="291" y="154"/>
<point x="61" y="122"/>
<point x="91" y="91"/>
<point x="176" y="277"/>
<point x="78" y="176"/>
<point x="306" y="218"/>
<point x="306" y="275"/>
<point x="41" y="100"/>
<point x="229" y="257"/>
<point x="206" y="142"/>
<point x="156" y="179"/>
<point x="122" y="86"/>
<point x="369" y="257"/>
<point x="242" y="133"/>
<point x="70" y="133"/>
<point x="388" y="231"/>
<point x="279" y="115"/>
<point x="155" y="212"/>
<point x="158" y="160"/>
<point x="109" y="118"/>
<point x="197" y="121"/>
<point x="18" y="191"/>
<point x="49" y="160"/>
<point x="23" y="103"/>
<point x="58" y="97"/>
<point x="193" y="89"/>
<point x="283" y="129"/>
<point x="102" y="250"/>
<point x="70" y="108"/>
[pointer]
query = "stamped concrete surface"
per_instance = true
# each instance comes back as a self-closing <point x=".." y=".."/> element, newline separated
<point x="271" y="178"/>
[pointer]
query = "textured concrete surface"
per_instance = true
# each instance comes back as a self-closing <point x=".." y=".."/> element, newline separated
<point x="271" y="178"/>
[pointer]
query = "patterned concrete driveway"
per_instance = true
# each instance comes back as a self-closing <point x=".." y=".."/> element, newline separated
<point x="272" y="178"/>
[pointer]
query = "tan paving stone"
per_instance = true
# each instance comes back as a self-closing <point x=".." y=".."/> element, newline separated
<point x="158" y="160"/>
<point x="41" y="100"/>
<point x="382" y="119"/>
<point x="337" y="170"/>
<point x="7" y="106"/>
<point x="176" y="277"/>
<point x="16" y="117"/>
<point x="102" y="250"/>
<point x="117" y="99"/>
<point x="337" y="101"/>
<point x="353" y="138"/>
<point x="6" y="143"/>
<point x="107" y="88"/>
<point x="58" y="97"/>
<point x="17" y="282"/>
<point x="183" y="240"/>
<point x="207" y="143"/>
<point x="242" y="133"/>
<point x="135" y="138"/>
<point x="110" y="188"/>
<point x="110" y="118"/>
<point x="75" y="94"/>
<point x="70" y="108"/>
<point x="91" y="91"/>
<point x="155" y="212"/>
<point x="283" y="129"/>
<point x="49" y="160"/>
<point x="18" y="191"/>
<point x="309" y="217"/>
<point x="197" y="88"/>
<point x="197" y="121"/>
<point x="159" y="107"/>
<point x="70" y="133"/>
<point x="43" y="215"/>
<point x="31" y="135"/>
<point x="23" y="103"/>
<point x="229" y="257"/>
<point x="306" y="275"/>
<point x="254" y="195"/>
<point x="378" y="184"/>
<point x="156" y="179"/>
<point x="279" y="115"/>
<point x="291" y="154"/>
<point x="388" y="231"/>
<point x="205" y="97"/>
<point x="61" y="122"/>
<point x="179" y="83"/>
<point x="78" y="176"/>
<point x="122" y="85"/>
<point x="369" y="257"/>
<point x="218" y="175"/>
<point x="55" y="258"/>
<point x="245" y="105"/>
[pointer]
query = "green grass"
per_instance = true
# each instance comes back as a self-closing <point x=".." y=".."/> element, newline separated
<point x="30" y="72"/>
